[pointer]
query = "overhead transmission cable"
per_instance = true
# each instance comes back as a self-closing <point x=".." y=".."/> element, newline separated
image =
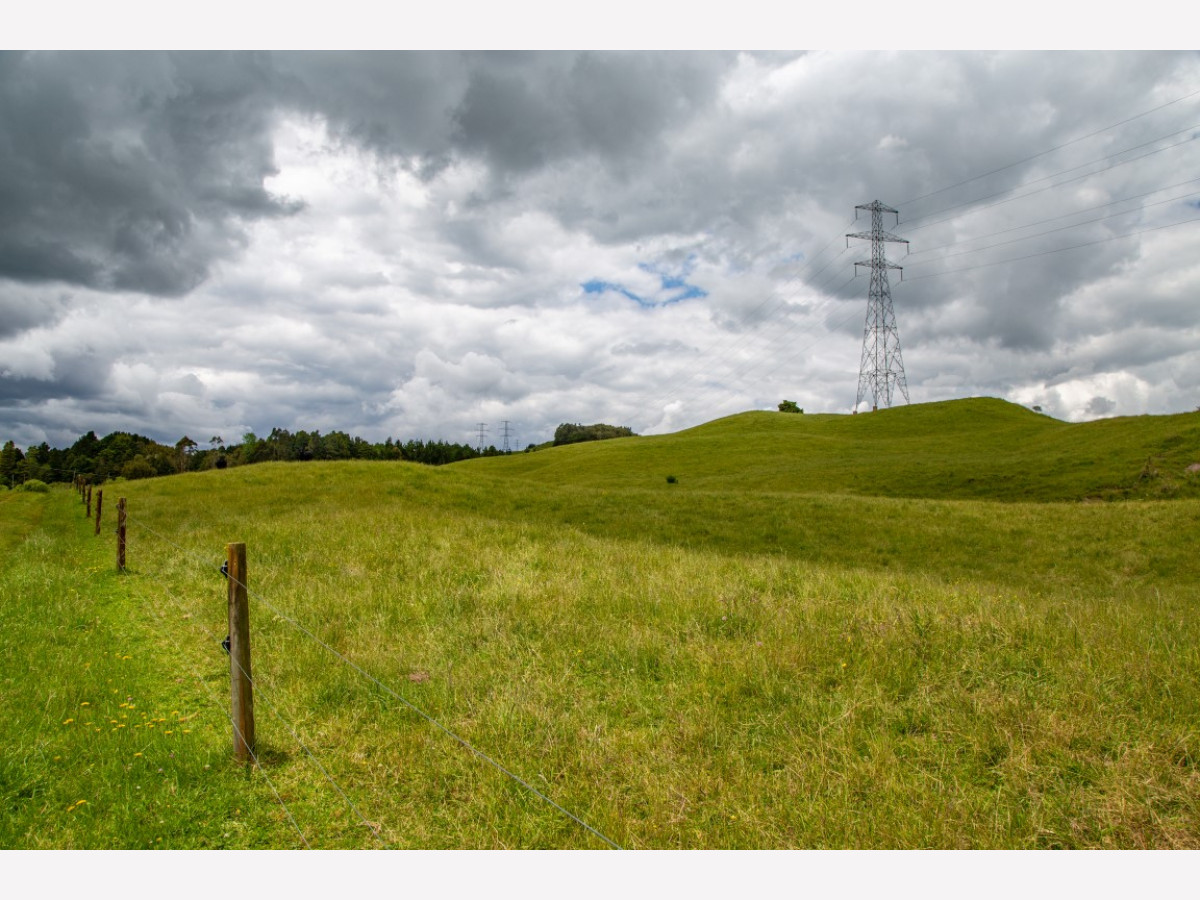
<point x="1039" y="234"/>
<point x="908" y="227"/>
<point x="1106" y="240"/>
<point x="980" y="237"/>
<point x="1050" y="150"/>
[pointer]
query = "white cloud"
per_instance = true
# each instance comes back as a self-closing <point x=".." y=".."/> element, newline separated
<point x="398" y="244"/>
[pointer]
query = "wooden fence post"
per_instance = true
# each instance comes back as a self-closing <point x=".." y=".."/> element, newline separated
<point x="241" y="685"/>
<point x="121" y="534"/>
<point x="89" y="501"/>
<point x="99" y="505"/>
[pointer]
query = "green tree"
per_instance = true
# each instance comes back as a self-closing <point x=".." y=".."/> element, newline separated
<point x="138" y="467"/>
<point x="567" y="433"/>
<point x="184" y="447"/>
<point x="789" y="406"/>
<point x="9" y="457"/>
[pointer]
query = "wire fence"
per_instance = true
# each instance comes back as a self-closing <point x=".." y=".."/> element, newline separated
<point x="263" y="689"/>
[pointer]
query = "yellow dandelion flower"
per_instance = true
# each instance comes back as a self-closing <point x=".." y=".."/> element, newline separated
<point x="68" y="721"/>
<point x="137" y="754"/>
<point x="85" y="703"/>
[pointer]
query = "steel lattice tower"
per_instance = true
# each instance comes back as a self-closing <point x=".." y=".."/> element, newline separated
<point x="881" y="371"/>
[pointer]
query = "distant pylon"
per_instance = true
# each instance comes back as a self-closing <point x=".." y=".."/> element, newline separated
<point x="482" y="426"/>
<point x="506" y="432"/>
<point x="881" y="370"/>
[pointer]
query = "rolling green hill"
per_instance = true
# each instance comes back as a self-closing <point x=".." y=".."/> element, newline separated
<point x="895" y="630"/>
<point x="960" y="449"/>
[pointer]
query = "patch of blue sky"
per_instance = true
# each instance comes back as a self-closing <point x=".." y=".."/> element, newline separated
<point x="673" y="285"/>
<point x="597" y="286"/>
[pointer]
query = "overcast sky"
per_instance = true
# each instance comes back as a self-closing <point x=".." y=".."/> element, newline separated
<point x="409" y="244"/>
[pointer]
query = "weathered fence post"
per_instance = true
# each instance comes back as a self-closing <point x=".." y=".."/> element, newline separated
<point x="121" y="534"/>
<point x="89" y="501"/>
<point x="241" y="685"/>
<point x="99" y="505"/>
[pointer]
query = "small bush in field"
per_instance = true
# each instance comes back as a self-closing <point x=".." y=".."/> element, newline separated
<point x="37" y="487"/>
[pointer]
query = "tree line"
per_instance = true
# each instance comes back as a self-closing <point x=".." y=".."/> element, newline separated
<point x="131" y="456"/>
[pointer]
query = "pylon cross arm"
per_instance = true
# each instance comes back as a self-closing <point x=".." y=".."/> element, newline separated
<point x="878" y="236"/>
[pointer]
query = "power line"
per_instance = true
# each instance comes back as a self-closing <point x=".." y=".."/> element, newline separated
<point x="1051" y="150"/>
<point x="1056" y="230"/>
<point x="1106" y="240"/>
<point x="980" y="237"/>
<point x="911" y="228"/>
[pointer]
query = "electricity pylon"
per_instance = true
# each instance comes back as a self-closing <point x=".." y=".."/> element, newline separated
<point x="881" y="370"/>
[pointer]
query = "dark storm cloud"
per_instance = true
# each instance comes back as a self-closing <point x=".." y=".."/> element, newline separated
<point x="515" y="111"/>
<point x="21" y="310"/>
<point x="521" y="112"/>
<point x="82" y="374"/>
<point x="131" y="171"/>
<point x="501" y="235"/>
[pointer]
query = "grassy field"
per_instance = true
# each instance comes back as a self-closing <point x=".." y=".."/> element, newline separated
<point x="915" y="628"/>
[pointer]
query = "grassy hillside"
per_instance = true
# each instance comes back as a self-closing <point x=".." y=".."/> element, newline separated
<point x="763" y="655"/>
<point x="959" y="449"/>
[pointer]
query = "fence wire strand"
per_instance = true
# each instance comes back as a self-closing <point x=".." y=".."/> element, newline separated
<point x="389" y="691"/>
<point x="217" y="703"/>
<point x="260" y="695"/>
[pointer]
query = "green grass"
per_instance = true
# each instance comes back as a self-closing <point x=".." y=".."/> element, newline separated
<point x="743" y="659"/>
<point x="109" y="740"/>
<point x="963" y="449"/>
